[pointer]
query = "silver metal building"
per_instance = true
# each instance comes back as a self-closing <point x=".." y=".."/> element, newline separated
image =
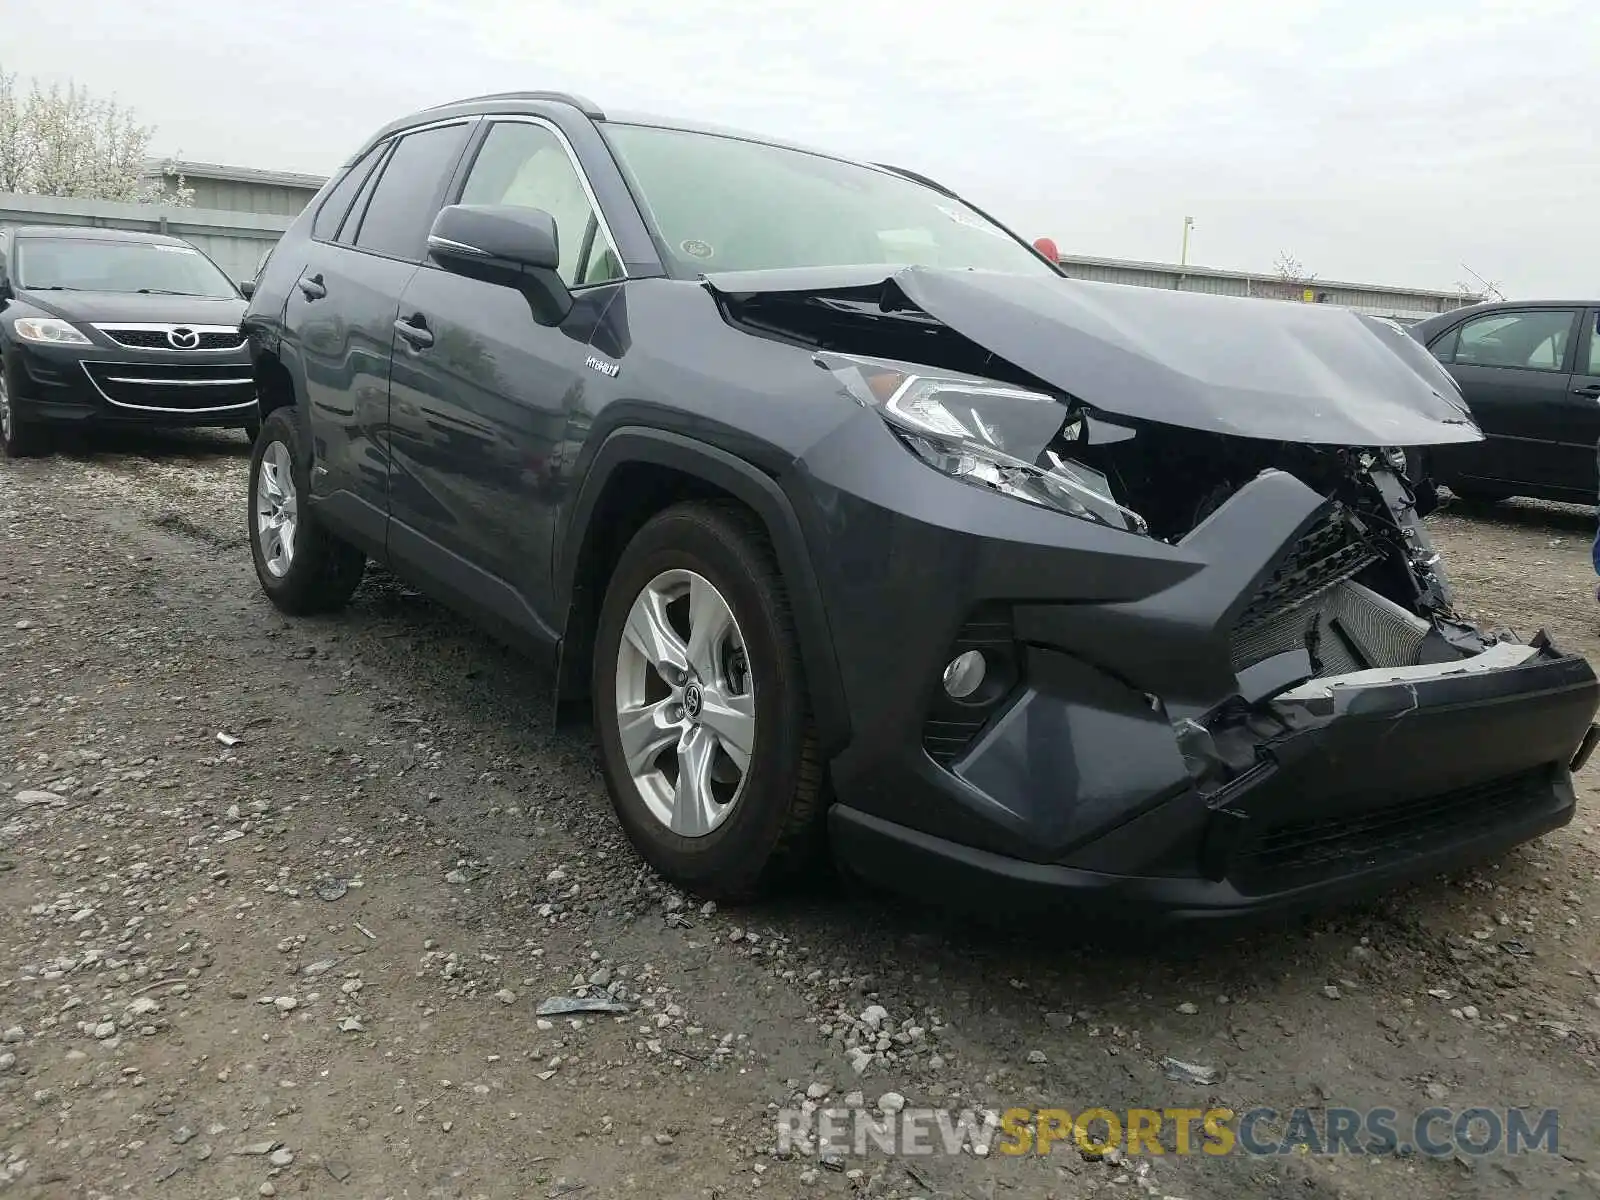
<point x="240" y="189"/>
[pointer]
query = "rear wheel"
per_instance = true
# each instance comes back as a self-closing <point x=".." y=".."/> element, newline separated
<point x="701" y="706"/>
<point x="1480" y="493"/>
<point x="18" y="438"/>
<point x="302" y="567"/>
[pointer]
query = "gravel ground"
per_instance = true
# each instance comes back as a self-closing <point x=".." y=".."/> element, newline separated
<point x="278" y="902"/>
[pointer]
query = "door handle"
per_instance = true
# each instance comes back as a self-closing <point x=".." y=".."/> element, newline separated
<point x="1591" y="390"/>
<point x="415" y="331"/>
<point x="311" y="285"/>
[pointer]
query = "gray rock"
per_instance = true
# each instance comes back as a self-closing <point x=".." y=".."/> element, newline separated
<point x="1187" y="1072"/>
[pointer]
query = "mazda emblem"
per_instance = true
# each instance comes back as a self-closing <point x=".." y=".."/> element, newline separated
<point x="183" y="339"/>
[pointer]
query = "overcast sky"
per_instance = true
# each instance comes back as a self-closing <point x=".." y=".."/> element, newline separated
<point x="1375" y="141"/>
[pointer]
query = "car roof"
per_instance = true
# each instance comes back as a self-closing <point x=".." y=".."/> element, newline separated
<point x="1491" y="306"/>
<point x="91" y="233"/>
<point x="511" y="102"/>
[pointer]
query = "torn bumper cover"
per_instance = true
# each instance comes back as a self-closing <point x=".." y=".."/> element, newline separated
<point x="1162" y="751"/>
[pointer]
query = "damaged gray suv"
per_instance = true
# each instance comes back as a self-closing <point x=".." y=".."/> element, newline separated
<point x="861" y="529"/>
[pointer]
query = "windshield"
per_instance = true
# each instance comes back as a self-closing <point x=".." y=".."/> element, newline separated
<point x="85" y="265"/>
<point x="723" y="204"/>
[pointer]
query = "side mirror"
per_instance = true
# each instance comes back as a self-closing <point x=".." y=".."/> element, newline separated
<point x="504" y="244"/>
<point x="247" y="288"/>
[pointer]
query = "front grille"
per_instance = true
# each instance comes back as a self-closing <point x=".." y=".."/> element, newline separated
<point x="1329" y="554"/>
<point x="1302" y="852"/>
<point x="151" y="337"/>
<point x="173" y="387"/>
<point x="1279" y="614"/>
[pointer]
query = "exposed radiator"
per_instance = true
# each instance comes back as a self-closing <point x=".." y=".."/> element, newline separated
<point x="1354" y="628"/>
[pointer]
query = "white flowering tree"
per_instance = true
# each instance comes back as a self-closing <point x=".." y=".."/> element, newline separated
<point x="66" y="142"/>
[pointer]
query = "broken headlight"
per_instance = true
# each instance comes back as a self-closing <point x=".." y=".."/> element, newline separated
<point x="992" y="435"/>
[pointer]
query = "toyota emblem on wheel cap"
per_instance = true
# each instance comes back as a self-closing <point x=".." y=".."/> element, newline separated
<point x="692" y="702"/>
<point x="183" y="339"/>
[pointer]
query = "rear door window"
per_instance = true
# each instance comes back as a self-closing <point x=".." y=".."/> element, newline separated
<point x="334" y="208"/>
<point x="410" y="191"/>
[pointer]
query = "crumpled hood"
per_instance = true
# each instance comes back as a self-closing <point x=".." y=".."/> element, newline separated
<point x="1308" y="373"/>
<point x="87" y="307"/>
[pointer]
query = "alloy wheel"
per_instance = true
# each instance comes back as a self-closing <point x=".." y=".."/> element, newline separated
<point x="5" y="408"/>
<point x="686" y="718"/>
<point x="277" y="510"/>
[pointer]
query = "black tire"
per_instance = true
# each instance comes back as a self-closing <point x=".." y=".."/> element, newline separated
<point x="1480" y="493"/>
<point x="323" y="571"/>
<point x="18" y="438"/>
<point x="774" y="829"/>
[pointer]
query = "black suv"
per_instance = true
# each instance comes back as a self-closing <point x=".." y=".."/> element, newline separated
<point x="858" y="523"/>
<point x="113" y="327"/>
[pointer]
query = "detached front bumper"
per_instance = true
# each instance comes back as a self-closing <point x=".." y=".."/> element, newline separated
<point x="1072" y="782"/>
<point x="1407" y="781"/>
<point x="113" y="385"/>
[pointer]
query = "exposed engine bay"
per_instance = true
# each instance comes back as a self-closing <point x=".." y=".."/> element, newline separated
<point x="1362" y="591"/>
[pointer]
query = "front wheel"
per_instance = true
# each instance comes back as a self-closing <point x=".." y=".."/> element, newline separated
<point x="18" y="438"/>
<point x="701" y="706"/>
<point x="302" y="567"/>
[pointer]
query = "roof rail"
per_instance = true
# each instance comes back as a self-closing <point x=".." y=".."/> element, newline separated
<point x="912" y="175"/>
<point x="582" y="103"/>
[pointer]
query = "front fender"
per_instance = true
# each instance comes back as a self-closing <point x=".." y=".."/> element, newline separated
<point x="727" y="472"/>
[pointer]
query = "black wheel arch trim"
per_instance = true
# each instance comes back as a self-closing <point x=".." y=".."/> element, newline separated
<point x="631" y="445"/>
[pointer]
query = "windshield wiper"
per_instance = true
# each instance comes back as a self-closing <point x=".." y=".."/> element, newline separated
<point x="169" y="292"/>
<point x="50" y="287"/>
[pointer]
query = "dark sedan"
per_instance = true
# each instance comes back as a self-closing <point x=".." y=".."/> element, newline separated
<point x="111" y="327"/>
<point x="1530" y="372"/>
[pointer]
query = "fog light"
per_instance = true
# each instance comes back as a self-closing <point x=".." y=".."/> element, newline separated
<point x="965" y="674"/>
